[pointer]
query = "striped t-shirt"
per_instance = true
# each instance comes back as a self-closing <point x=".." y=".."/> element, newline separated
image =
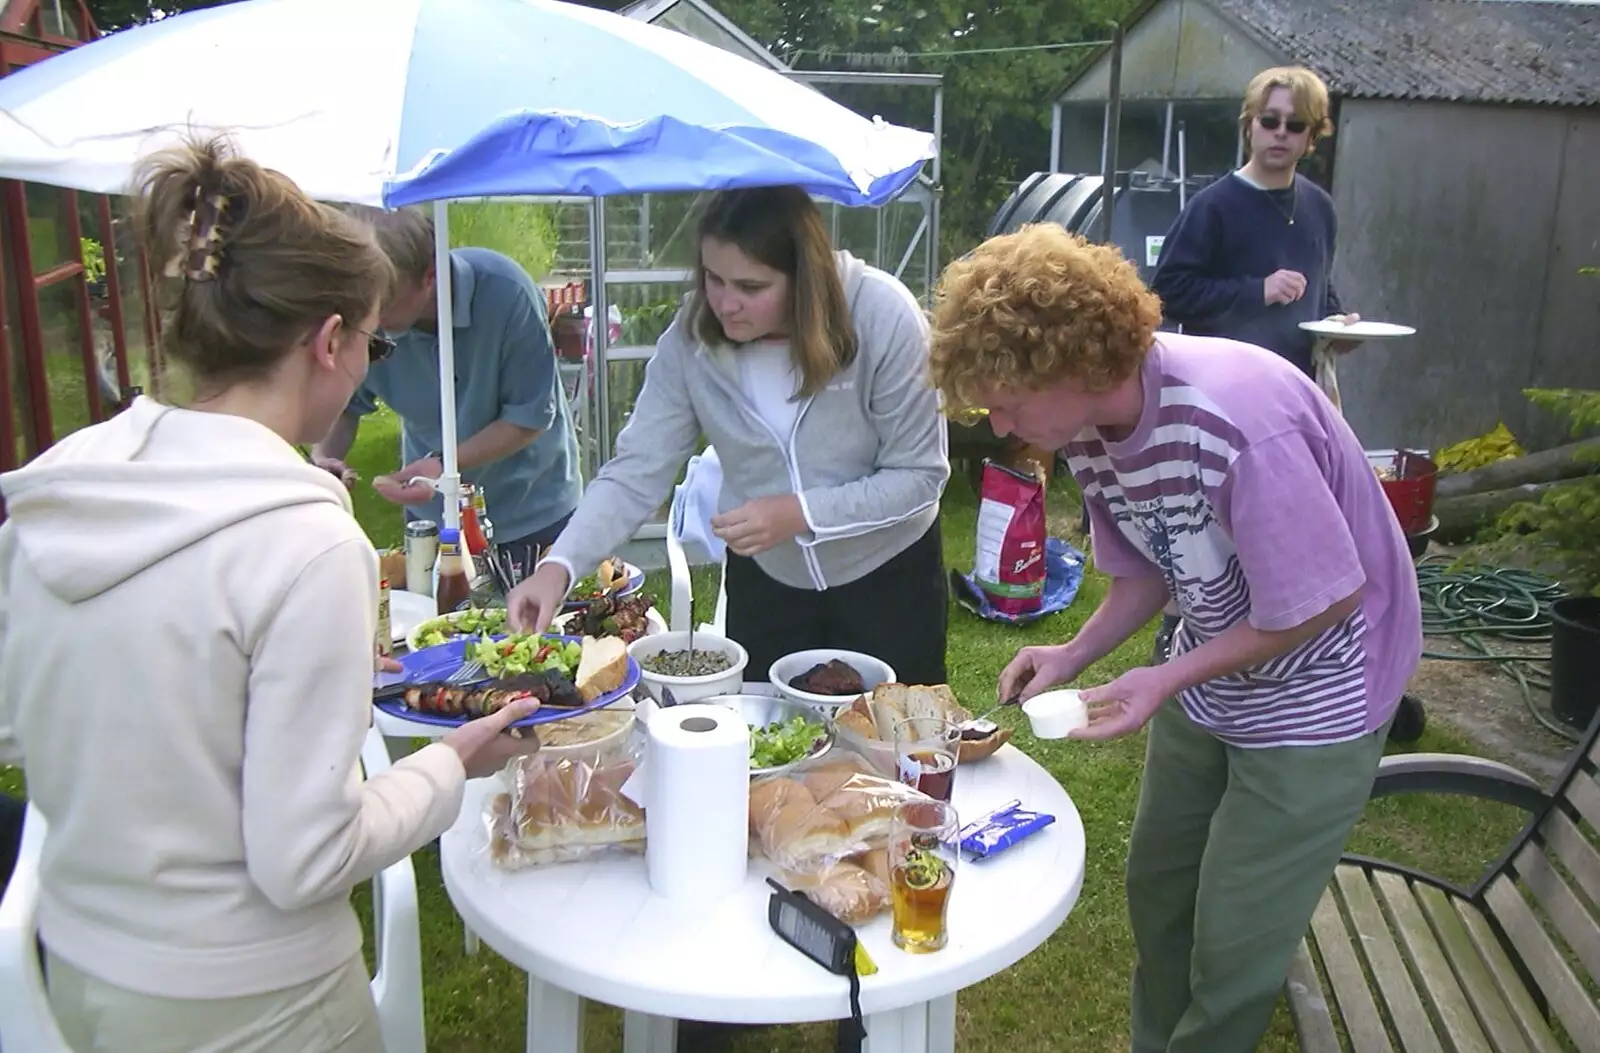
<point x="1243" y="487"/>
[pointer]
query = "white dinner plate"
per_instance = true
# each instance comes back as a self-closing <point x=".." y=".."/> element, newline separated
<point x="1359" y="331"/>
<point x="407" y="610"/>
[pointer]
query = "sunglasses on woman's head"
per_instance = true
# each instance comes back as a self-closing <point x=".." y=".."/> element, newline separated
<point x="379" y="347"/>
<point x="1270" y="122"/>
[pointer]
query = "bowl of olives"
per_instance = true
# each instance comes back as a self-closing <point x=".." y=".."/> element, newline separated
<point x="709" y="664"/>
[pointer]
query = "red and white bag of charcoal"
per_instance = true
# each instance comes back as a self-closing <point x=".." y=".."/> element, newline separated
<point x="1010" y="567"/>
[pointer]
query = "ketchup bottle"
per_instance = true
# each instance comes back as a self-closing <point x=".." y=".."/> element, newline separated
<point x="471" y="532"/>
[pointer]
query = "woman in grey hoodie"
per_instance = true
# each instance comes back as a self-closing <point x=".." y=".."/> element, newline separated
<point x="807" y="370"/>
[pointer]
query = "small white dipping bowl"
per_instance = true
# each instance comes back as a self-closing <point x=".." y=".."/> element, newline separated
<point x="1053" y="714"/>
<point x="689" y="688"/>
<point x="874" y="671"/>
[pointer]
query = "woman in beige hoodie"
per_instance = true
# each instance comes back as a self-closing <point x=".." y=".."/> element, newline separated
<point x="187" y="616"/>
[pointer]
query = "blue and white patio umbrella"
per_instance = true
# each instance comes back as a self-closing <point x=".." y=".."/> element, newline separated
<point x="399" y="101"/>
<point x="394" y="102"/>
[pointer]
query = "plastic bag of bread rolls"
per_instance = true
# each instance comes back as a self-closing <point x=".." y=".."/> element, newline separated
<point x="823" y="813"/>
<point x="556" y="809"/>
<point x="853" y="890"/>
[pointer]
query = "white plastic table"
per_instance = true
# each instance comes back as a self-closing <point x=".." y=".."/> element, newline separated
<point x="595" y="930"/>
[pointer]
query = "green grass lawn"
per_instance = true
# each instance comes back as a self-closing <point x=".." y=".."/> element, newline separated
<point x="1069" y="994"/>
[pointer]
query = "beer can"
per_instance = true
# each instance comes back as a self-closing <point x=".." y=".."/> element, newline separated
<point x="422" y="549"/>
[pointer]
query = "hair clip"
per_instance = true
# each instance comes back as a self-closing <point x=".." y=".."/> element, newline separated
<point x="205" y="237"/>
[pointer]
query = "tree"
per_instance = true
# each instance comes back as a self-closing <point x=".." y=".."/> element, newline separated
<point x="112" y="15"/>
<point x="998" y="82"/>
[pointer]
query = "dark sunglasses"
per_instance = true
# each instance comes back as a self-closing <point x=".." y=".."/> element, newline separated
<point x="379" y="347"/>
<point x="1270" y="122"/>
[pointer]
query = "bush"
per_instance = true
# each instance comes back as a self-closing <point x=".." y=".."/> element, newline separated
<point x="1472" y="454"/>
<point x="524" y="232"/>
<point x="1564" y="525"/>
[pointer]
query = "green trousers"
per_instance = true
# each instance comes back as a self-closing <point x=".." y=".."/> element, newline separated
<point x="1230" y="852"/>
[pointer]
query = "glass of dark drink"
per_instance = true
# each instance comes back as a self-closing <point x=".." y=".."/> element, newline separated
<point x="926" y="750"/>
<point x="923" y="843"/>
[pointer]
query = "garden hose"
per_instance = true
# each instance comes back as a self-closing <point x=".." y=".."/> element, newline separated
<point x="1482" y="606"/>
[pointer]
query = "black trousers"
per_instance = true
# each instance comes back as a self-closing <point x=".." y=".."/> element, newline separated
<point x="12" y="812"/>
<point x="899" y="613"/>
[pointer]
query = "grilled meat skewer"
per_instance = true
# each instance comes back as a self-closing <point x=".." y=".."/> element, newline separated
<point x="455" y="701"/>
<point x="551" y="687"/>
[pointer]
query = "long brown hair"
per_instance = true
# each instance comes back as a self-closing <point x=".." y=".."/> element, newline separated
<point x="780" y="227"/>
<point x="251" y="264"/>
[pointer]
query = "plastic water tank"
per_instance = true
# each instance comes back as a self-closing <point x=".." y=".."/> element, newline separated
<point x="1145" y="207"/>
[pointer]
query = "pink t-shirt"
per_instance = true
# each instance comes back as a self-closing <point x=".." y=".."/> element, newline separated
<point x="1246" y="490"/>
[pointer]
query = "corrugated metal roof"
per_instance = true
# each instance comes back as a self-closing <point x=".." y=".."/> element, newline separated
<point x="1505" y="51"/>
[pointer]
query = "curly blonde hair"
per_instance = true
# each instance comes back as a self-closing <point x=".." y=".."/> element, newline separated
<point x="1027" y="310"/>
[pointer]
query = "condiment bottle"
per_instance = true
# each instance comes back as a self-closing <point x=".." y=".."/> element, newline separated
<point x="452" y="586"/>
<point x="471" y="532"/>
<point x="385" y="640"/>
<point x="485" y="524"/>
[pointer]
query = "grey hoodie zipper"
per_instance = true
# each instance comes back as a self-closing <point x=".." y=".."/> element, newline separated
<point x="791" y="456"/>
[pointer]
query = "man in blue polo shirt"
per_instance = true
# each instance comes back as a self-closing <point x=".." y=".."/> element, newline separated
<point x="516" y="438"/>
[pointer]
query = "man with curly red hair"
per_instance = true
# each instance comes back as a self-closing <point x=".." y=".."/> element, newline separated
<point x="1218" y="475"/>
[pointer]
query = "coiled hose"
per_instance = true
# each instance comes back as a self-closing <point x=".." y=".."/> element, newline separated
<point x="1482" y="606"/>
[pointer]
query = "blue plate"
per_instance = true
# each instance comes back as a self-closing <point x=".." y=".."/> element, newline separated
<point x="437" y="663"/>
<point x="635" y="583"/>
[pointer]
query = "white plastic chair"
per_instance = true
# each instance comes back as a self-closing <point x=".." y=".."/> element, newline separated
<point x="26" y="1023"/>
<point x="694" y="502"/>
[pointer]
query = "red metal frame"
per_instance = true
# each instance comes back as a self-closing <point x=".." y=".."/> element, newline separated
<point x="119" y="339"/>
<point x="22" y="43"/>
<point x="8" y="421"/>
<point x="41" y="433"/>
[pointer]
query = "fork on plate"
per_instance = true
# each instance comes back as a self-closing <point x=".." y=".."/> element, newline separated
<point x="466" y="674"/>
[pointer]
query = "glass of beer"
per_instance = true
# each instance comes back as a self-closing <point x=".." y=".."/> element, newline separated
<point x="926" y="749"/>
<point x="924" y="839"/>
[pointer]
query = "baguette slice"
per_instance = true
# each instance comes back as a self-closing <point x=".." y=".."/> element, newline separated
<point x="603" y="666"/>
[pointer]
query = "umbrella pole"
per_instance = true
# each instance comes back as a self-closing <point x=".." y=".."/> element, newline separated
<point x="450" y="481"/>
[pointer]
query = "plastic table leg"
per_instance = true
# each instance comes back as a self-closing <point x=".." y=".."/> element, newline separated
<point x="643" y="1033"/>
<point x="555" y="1019"/>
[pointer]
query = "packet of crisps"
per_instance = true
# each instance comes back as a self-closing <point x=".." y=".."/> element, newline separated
<point x="1001" y="829"/>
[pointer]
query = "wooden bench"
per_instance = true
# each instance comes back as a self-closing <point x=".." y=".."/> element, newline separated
<point x="1398" y="960"/>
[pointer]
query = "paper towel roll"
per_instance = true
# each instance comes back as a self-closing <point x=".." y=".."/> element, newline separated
<point x="697" y="801"/>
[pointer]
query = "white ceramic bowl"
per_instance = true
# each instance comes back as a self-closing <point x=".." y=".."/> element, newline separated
<point x="689" y="688"/>
<point x="1053" y="714"/>
<point x="874" y="671"/>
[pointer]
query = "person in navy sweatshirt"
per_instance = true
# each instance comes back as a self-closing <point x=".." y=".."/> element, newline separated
<point x="1251" y="255"/>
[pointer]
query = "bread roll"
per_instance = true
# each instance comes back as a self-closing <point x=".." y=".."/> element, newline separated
<point x="876" y="863"/>
<point x="872" y="828"/>
<point x="832" y="774"/>
<point x="800" y="834"/>
<point x="769" y="796"/>
<point x="850" y="893"/>
<point x="557" y="804"/>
